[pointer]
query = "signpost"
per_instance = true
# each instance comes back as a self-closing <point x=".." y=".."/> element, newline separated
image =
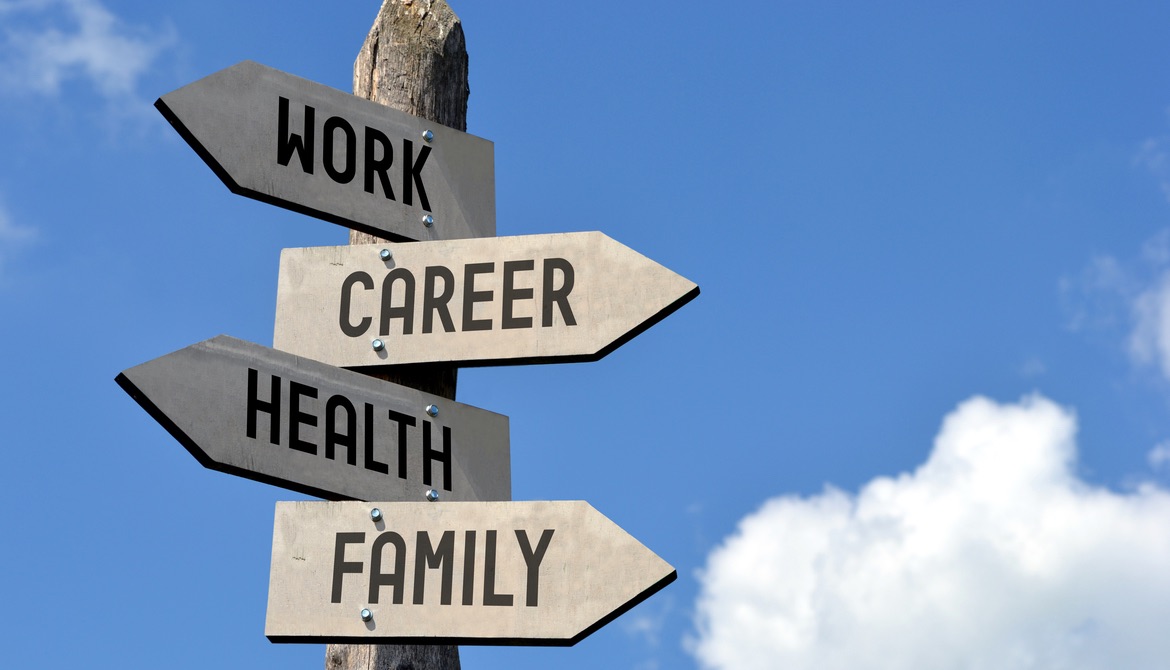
<point x="543" y="573"/>
<point x="402" y="571"/>
<point x="313" y="149"/>
<point x="258" y="413"/>
<point x="506" y="300"/>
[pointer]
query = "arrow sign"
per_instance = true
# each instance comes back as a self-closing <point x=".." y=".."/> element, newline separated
<point x="258" y="413"/>
<point x="453" y="573"/>
<point x="504" y="300"/>
<point x="313" y="149"/>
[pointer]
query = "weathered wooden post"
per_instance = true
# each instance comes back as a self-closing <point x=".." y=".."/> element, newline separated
<point x="414" y="60"/>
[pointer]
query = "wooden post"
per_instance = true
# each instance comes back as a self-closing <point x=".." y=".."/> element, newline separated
<point x="414" y="60"/>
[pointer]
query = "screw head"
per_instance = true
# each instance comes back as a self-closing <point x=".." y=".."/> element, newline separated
<point x="428" y="135"/>
<point x="378" y="345"/>
<point x="433" y="410"/>
<point x="376" y="514"/>
<point x="433" y="495"/>
<point x="385" y="254"/>
<point x="367" y="615"/>
<point x="428" y="220"/>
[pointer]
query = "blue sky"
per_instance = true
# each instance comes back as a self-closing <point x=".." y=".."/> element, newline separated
<point x="917" y="418"/>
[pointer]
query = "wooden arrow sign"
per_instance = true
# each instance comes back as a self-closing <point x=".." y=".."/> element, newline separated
<point x="316" y="150"/>
<point x="258" y="413"/>
<point x="453" y="573"/>
<point x="505" y="300"/>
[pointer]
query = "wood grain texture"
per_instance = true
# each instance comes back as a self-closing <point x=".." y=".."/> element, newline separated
<point x="391" y="657"/>
<point x="415" y="60"/>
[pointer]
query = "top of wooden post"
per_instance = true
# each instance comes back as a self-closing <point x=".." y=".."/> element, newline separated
<point x="415" y="60"/>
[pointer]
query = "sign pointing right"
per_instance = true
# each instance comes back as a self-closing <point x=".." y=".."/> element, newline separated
<point x="562" y="297"/>
<point x="453" y="573"/>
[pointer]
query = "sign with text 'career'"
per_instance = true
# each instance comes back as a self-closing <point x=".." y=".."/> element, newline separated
<point x="453" y="573"/>
<point x="316" y="150"/>
<point x="258" y="413"/>
<point x="505" y="300"/>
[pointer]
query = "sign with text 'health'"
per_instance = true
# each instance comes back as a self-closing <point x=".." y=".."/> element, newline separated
<point x="560" y="297"/>
<point x="296" y="144"/>
<point x="452" y="573"/>
<point x="265" y="415"/>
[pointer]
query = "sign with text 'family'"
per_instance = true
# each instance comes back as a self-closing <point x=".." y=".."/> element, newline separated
<point x="316" y="150"/>
<point x="505" y="300"/>
<point x="452" y="573"/>
<point x="258" y="413"/>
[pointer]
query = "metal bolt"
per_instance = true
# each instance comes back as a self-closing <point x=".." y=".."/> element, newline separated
<point x="378" y="345"/>
<point x="428" y="135"/>
<point x="433" y="495"/>
<point x="433" y="410"/>
<point x="428" y="220"/>
<point x="367" y="615"/>
<point x="376" y="514"/>
<point x="385" y="254"/>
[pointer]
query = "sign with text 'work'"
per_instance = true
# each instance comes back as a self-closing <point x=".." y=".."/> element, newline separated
<point x="452" y="573"/>
<point x="313" y="149"/>
<point x="506" y="300"/>
<point x="266" y="415"/>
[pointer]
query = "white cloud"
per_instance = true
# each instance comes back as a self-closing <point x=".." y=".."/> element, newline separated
<point x="647" y="624"/>
<point x="991" y="555"/>
<point x="1159" y="456"/>
<point x="1091" y="300"/>
<point x="1033" y="367"/>
<point x="49" y="42"/>
<point x="1150" y="340"/>
<point x="11" y="235"/>
<point x="10" y="232"/>
<point x="1131" y="296"/>
<point x="1154" y="155"/>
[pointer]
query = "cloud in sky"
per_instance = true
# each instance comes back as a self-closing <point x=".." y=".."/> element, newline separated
<point x="11" y="234"/>
<point x="1159" y="456"/>
<point x="46" y="43"/>
<point x="9" y="231"/>
<point x="1150" y="340"/>
<point x="991" y="555"/>
<point x="1130" y="295"/>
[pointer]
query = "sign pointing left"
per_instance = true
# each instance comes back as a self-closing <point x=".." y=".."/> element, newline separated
<point x="259" y="413"/>
<point x="315" y="150"/>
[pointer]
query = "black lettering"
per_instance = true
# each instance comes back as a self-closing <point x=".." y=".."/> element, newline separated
<point x="346" y="174"/>
<point x="347" y="326"/>
<point x="378" y="166"/>
<point x="469" y="567"/>
<point x="511" y="294"/>
<point x="471" y="296"/>
<point x="443" y="456"/>
<point x="428" y="557"/>
<point x="272" y="407"/>
<point x="333" y="438"/>
<point x="287" y="144"/>
<point x="490" y="597"/>
<point x="559" y="296"/>
<point x="412" y="174"/>
<point x="296" y="417"/>
<point x="406" y="310"/>
<point x="371" y="463"/>
<point x="340" y="566"/>
<point x="394" y="579"/>
<point x="532" y="559"/>
<point x="437" y="303"/>
<point x="404" y="421"/>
